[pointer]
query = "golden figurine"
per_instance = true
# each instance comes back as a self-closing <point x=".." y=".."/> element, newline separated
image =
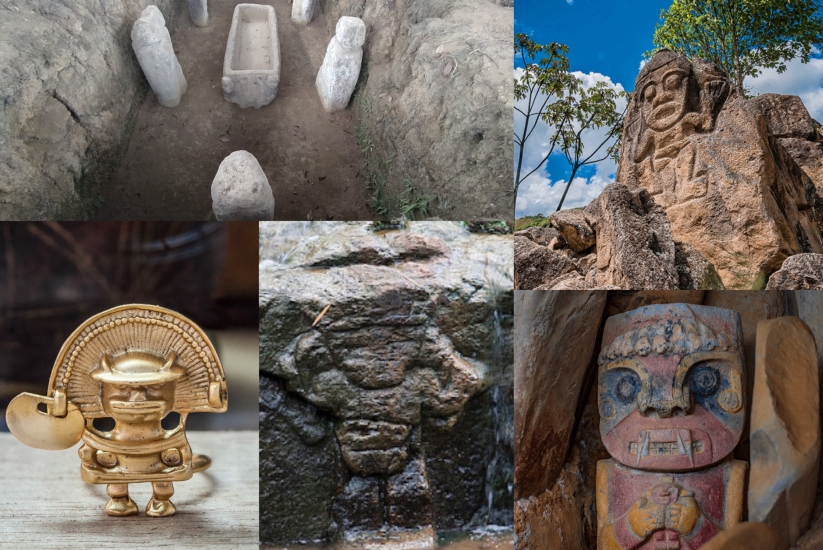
<point x="135" y="364"/>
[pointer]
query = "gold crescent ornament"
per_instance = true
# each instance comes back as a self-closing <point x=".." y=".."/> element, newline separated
<point x="134" y="364"/>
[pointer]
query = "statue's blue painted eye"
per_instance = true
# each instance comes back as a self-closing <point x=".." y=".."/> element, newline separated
<point x="705" y="381"/>
<point x="627" y="388"/>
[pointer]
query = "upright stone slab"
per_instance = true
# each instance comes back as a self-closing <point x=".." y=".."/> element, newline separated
<point x="302" y="11"/>
<point x="251" y="66"/>
<point x="672" y="408"/>
<point x="152" y="45"/>
<point x="240" y="190"/>
<point x="341" y="66"/>
<point x="199" y="12"/>
<point x="785" y="428"/>
<point x="708" y="157"/>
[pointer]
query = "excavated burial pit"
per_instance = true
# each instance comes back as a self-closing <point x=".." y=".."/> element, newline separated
<point x="310" y="158"/>
<point x="251" y="69"/>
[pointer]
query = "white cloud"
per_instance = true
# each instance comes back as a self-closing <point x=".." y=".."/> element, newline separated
<point x="540" y="193"/>
<point x="800" y="79"/>
<point x="570" y="2"/>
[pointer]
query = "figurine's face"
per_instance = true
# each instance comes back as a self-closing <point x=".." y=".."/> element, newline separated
<point x="667" y="402"/>
<point x="663" y="97"/>
<point x="138" y="403"/>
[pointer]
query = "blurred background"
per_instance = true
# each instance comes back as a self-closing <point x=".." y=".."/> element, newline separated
<point x="54" y="276"/>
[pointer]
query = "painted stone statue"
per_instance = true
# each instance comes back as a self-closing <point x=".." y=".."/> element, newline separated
<point x="672" y="410"/>
<point x="134" y="364"/>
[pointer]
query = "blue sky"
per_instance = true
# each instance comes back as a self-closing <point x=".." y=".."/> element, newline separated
<point x="606" y="41"/>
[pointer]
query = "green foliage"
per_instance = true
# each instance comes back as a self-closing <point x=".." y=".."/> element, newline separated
<point x="531" y="221"/>
<point x="492" y="228"/>
<point x="741" y="36"/>
<point x="557" y="97"/>
<point x="413" y="202"/>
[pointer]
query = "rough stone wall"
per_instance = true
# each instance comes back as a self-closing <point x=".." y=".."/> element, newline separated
<point x="394" y="409"/>
<point x="70" y="87"/>
<point x="439" y="98"/>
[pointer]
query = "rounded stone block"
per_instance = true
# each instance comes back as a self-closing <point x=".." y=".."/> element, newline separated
<point x="152" y="45"/>
<point x="341" y="67"/>
<point x="302" y="11"/>
<point x="240" y="190"/>
<point x="199" y="12"/>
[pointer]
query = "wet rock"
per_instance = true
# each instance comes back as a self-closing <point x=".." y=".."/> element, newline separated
<point x="786" y="116"/>
<point x="575" y="229"/>
<point x="708" y="158"/>
<point x="373" y="447"/>
<point x="785" y="428"/>
<point x="241" y="190"/>
<point x="540" y="235"/>
<point x="799" y="272"/>
<point x="749" y="535"/>
<point x="408" y="497"/>
<point x="557" y="362"/>
<point x="536" y="265"/>
<point x="358" y="506"/>
<point x="151" y="42"/>
<point x="341" y="67"/>
<point x="695" y="272"/>
<point x="635" y="249"/>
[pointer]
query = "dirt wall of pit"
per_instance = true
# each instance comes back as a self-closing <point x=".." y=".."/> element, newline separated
<point x="70" y="87"/>
<point x="436" y="95"/>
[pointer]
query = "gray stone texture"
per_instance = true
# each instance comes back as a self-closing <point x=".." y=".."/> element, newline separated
<point x="199" y="12"/>
<point x="340" y="70"/>
<point x="240" y="190"/>
<point x="151" y="42"/>
<point x="71" y="87"/>
<point x="251" y="66"/>
<point x="799" y="272"/>
<point x="410" y="364"/>
<point x="302" y="11"/>
<point x="439" y="71"/>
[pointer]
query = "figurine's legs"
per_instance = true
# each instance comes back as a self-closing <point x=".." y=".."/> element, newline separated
<point x="120" y="504"/>
<point x="160" y="506"/>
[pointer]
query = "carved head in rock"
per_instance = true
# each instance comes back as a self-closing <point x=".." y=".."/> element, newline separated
<point x="662" y="90"/>
<point x="670" y="386"/>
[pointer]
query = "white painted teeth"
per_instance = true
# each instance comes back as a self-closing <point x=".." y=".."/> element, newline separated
<point x="685" y="449"/>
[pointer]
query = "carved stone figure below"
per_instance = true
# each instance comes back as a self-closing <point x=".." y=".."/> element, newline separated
<point x="338" y="75"/>
<point x="152" y="44"/>
<point x="672" y="410"/>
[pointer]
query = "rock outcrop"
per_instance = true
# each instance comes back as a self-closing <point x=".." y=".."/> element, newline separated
<point x="439" y="71"/>
<point x="799" y="272"/>
<point x="712" y="160"/>
<point x="388" y="355"/>
<point x="71" y="87"/>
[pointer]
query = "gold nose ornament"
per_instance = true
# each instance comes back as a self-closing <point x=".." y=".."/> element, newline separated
<point x="135" y="364"/>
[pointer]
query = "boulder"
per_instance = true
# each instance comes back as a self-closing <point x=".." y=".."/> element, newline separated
<point x="241" y="190"/>
<point x="786" y="116"/>
<point x="340" y="70"/>
<point x="151" y="42"/>
<point x="708" y="158"/>
<point x="785" y="428"/>
<point x="540" y="235"/>
<point x="536" y="265"/>
<point x="555" y="335"/>
<point x="694" y="271"/>
<point x="799" y="272"/>
<point x="575" y="229"/>
<point x="635" y="249"/>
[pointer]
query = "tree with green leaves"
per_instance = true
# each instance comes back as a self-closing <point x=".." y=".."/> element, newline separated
<point x="741" y="36"/>
<point x="557" y="97"/>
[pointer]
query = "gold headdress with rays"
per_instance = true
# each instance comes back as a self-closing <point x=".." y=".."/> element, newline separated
<point x="137" y="329"/>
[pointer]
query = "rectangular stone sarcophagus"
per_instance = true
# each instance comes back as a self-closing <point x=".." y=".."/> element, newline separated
<point x="251" y="67"/>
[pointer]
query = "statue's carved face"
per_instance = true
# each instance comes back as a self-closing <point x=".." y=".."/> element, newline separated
<point x="671" y="387"/>
<point x="663" y="97"/>
<point x="138" y="403"/>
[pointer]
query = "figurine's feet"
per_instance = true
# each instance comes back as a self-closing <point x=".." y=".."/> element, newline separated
<point x="120" y="507"/>
<point x="160" y="508"/>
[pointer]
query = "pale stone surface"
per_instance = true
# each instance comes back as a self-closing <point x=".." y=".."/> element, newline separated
<point x="536" y="265"/>
<point x="152" y="44"/>
<point x="556" y="362"/>
<point x="199" y="12"/>
<point x="799" y="272"/>
<point x="540" y="235"/>
<point x="251" y="66"/>
<point x="302" y="11"/>
<point x="749" y="535"/>
<point x="338" y="75"/>
<point x="240" y="190"/>
<point x="786" y="116"/>
<point x="785" y="428"/>
<point x="575" y="229"/>
<point x="708" y="158"/>
<point x="635" y="249"/>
